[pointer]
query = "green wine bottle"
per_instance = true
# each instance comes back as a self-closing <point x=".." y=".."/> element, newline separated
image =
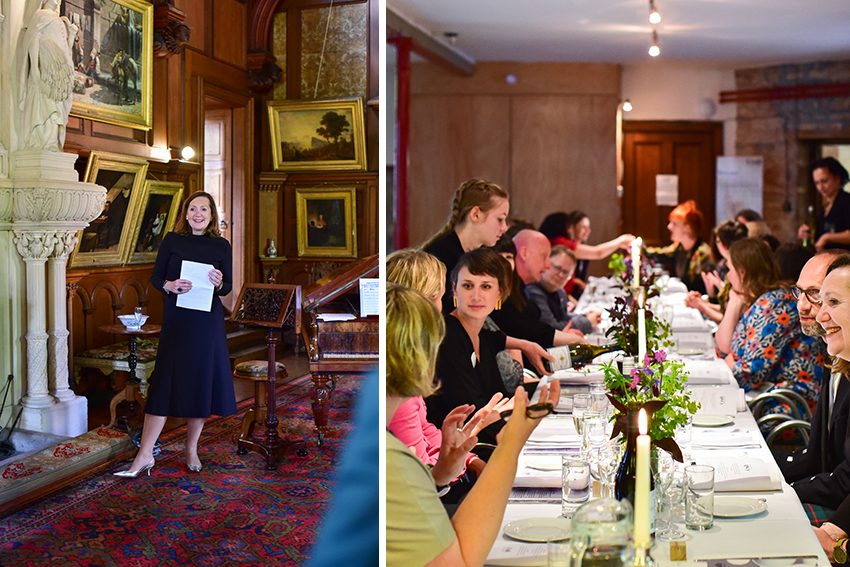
<point x="583" y="354"/>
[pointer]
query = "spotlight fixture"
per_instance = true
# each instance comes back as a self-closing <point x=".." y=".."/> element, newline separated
<point x="451" y="37"/>
<point x="654" y="16"/>
<point x="627" y="106"/>
<point x="654" y="51"/>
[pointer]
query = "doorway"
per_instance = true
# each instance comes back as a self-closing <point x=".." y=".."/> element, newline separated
<point x="685" y="149"/>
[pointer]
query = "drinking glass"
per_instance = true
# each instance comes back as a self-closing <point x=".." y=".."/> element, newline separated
<point x="667" y="314"/>
<point x="683" y="437"/>
<point x="594" y="433"/>
<point x="581" y="403"/>
<point x="670" y="488"/>
<point x="609" y="462"/>
<point x="138" y="315"/>
<point x="699" y="497"/>
<point x="601" y="533"/>
<point x="598" y="396"/>
<point x="575" y="484"/>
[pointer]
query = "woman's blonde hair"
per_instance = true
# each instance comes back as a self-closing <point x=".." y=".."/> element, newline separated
<point x="415" y="330"/>
<point x="473" y="193"/>
<point x="417" y="270"/>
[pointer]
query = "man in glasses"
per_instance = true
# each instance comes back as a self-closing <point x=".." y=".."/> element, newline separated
<point x="820" y="473"/>
<point x="549" y="295"/>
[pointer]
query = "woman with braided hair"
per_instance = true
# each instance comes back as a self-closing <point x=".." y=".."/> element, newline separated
<point x="479" y="212"/>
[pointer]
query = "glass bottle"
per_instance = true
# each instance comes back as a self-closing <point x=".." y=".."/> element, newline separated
<point x="624" y="484"/>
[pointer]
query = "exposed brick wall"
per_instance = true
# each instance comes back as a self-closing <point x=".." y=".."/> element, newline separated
<point x="785" y="133"/>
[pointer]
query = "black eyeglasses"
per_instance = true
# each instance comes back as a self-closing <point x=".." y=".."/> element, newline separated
<point x="813" y="295"/>
<point x="534" y="411"/>
<point x="561" y="270"/>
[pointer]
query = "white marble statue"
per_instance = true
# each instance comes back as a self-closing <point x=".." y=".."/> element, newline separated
<point x="46" y="78"/>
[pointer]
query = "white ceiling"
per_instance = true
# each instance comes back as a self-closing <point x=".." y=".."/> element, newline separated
<point x="715" y="32"/>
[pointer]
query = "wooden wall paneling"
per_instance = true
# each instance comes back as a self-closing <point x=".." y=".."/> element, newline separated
<point x="373" y="80"/>
<point x="198" y="18"/>
<point x="160" y="102"/>
<point x="452" y="139"/>
<point x="563" y="158"/>
<point x="230" y="19"/>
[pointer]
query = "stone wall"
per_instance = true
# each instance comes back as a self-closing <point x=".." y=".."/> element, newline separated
<point x="786" y="133"/>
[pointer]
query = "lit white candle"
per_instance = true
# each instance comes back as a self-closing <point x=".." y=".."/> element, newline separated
<point x="641" y="335"/>
<point x="642" y="516"/>
<point x="636" y="261"/>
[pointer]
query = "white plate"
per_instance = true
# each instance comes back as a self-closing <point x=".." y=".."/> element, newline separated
<point x="691" y="351"/>
<point x="737" y="506"/>
<point x="543" y="462"/>
<point x="712" y="420"/>
<point x="539" y="529"/>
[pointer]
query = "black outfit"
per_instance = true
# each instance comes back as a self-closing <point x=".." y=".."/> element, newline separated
<point x="681" y="262"/>
<point x="820" y="473"/>
<point x="525" y="324"/>
<point x="838" y="219"/>
<point x="461" y="382"/>
<point x="192" y="375"/>
<point x="448" y="250"/>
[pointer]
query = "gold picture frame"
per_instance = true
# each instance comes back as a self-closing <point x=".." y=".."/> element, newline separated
<point x="113" y="59"/>
<point x="157" y="216"/>
<point x="106" y="241"/>
<point x="298" y="126"/>
<point x="326" y="222"/>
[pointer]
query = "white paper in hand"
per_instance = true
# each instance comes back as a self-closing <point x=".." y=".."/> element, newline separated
<point x="200" y="296"/>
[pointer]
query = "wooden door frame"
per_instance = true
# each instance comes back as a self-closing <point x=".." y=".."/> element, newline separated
<point x="714" y="129"/>
<point x="243" y="215"/>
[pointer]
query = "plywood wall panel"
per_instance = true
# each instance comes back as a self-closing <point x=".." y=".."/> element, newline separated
<point x="453" y="138"/>
<point x="196" y="13"/>
<point x="563" y="158"/>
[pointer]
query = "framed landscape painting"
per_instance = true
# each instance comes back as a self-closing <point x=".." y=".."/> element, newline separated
<point x="106" y="241"/>
<point x="113" y="60"/>
<point x="326" y="222"/>
<point x="157" y="217"/>
<point x="318" y="135"/>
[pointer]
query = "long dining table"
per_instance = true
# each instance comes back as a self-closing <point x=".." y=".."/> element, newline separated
<point x="782" y="530"/>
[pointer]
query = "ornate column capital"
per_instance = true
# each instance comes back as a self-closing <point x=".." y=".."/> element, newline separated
<point x="35" y="202"/>
<point x="65" y="242"/>
<point x="170" y="31"/>
<point x="35" y="245"/>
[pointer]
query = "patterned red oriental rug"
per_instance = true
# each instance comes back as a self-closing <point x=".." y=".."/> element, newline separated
<point x="233" y="513"/>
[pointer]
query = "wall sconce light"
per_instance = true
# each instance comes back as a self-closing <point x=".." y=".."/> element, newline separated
<point x="627" y="106"/>
<point x="654" y="51"/>
<point x="654" y="16"/>
<point x="187" y="153"/>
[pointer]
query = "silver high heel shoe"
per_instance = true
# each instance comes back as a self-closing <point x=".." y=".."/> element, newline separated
<point x="133" y="474"/>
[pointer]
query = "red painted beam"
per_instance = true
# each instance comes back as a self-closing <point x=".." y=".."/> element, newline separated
<point x="401" y="237"/>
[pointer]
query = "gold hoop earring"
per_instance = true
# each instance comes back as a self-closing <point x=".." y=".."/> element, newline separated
<point x="498" y="304"/>
<point x="454" y="300"/>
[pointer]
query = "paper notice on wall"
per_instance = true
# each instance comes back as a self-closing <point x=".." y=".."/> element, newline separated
<point x="666" y="190"/>
<point x="740" y="185"/>
<point x="369" y="296"/>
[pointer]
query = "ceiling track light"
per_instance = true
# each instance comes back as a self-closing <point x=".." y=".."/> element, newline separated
<point x="627" y="106"/>
<point x="654" y="51"/>
<point x="654" y="16"/>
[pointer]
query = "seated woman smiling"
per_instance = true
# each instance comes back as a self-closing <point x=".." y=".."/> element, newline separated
<point x="419" y="532"/>
<point x="760" y="332"/>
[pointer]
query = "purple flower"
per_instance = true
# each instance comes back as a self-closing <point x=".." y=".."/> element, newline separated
<point x="634" y="372"/>
<point x="647" y="359"/>
<point x="660" y="356"/>
<point x="636" y="382"/>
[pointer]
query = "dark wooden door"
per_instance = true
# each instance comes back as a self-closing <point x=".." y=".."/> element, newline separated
<point x="686" y="149"/>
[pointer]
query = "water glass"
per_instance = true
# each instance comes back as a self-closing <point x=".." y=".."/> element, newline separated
<point x="667" y="314"/>
<point x="581" y="404"/>
<point x="599" y="397"/>
<point x="594" y="433"/>
<point x="601" y="533"/>
<point x="670" y="488"/>
<point x="575" y="484"/>
<point x="699" y="498"/>
<point x="138" y="315"/>
<point x="684" y="437"/>
<point x="559" y="553"/>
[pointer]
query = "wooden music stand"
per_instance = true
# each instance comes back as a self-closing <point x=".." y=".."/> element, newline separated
<point x="272" y="307"/>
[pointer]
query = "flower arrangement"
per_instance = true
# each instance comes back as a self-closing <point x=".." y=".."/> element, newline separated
<point x="658" y="387"/>
<point x="623" y="329"/>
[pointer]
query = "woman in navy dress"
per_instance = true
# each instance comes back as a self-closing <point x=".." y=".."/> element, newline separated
<point x="191" y="378"/>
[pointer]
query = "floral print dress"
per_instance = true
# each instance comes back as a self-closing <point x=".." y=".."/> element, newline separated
<point x="769" y="346"/>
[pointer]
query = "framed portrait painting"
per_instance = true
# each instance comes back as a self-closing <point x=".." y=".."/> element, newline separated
<point x="318" y="135"/>
<point x="113" y="60"/>
<point x="326" y="222"/>
<point x="106" y="241"/>
<point x="157" y="217"/>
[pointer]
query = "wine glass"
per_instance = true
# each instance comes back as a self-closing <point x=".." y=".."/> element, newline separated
<point x="138" y="314"/>
<point x="609" y="462"/>
<point x="670" y="488"/>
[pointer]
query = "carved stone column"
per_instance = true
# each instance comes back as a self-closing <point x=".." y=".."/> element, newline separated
<point x="57" y="319"/>
<point x="34" y="247"/>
